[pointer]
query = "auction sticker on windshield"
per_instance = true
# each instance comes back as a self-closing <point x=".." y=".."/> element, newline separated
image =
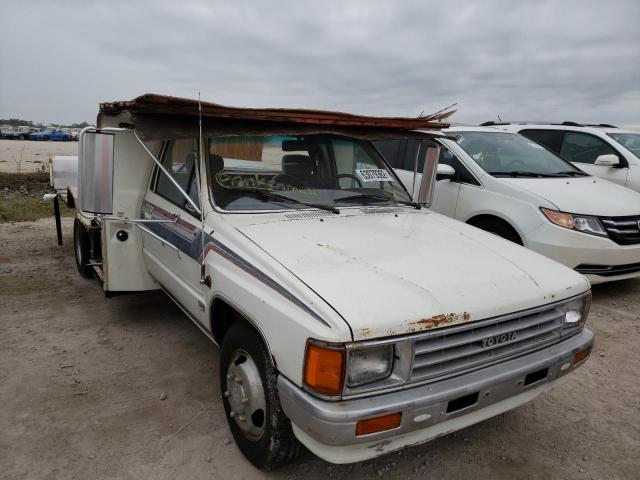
<point x="374" y="175"/>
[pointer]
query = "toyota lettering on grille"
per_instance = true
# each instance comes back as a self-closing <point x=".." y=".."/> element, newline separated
<point x="490" y="342"/>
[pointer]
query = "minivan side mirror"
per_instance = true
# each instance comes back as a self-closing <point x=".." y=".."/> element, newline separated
<point x="445" y="171"/>
<point x="608" y="160"/>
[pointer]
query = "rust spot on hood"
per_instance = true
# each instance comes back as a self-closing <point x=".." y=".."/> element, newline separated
<point x="442" y="320"/>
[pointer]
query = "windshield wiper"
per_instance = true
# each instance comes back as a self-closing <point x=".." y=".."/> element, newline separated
<point x="371" y="196"/>
<point x="519" y="173"/>
<point x="266" y="194"/>
<point x="572" y="172"/>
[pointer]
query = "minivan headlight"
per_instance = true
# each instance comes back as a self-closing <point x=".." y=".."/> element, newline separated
<point x="368" y="364"/>
<point x="581" y="223"/>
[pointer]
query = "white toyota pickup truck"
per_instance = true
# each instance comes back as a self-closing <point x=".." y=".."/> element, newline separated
<point x="351" y="320"/>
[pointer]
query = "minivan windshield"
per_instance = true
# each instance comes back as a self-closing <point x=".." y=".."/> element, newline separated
<point x="631" y="141"/>
<point x="512" y="155"/>
<point x="272" y="172"/>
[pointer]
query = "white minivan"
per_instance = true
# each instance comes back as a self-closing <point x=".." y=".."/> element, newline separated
<point x="509" y="185"/>
<point x="602" y="150"/>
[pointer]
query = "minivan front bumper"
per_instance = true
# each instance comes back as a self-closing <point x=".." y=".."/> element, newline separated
<point x="607" y="260"/>
<point x="328" y="428"/>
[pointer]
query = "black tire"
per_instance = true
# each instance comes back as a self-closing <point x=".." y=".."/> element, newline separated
<point x="81" y="248"/>
<point x="498" y="227"/>
<point x="45" y="138"/>
<point x="277" y="445"/>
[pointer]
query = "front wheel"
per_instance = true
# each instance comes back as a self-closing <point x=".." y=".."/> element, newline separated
<point x="249" y="393"/>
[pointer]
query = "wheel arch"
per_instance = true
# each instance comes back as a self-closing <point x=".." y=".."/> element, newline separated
<point x="478" y="219"/>
<point x="223" y="313"/>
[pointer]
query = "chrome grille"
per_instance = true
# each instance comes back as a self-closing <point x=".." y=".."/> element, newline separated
<point x="623" y="230"/>
<point x="462" y="348"/>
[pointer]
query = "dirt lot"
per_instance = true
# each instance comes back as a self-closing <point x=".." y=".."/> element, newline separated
<point x="29" y="156"/>
<point x="82" y="382"/>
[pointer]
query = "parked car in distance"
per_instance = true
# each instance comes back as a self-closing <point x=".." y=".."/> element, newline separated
<point x="351" y="320"/>
<point x="602" y="150"/>
<point x="509" y="185"/>
<point x="25" y="131"/>
<point x="8" y="132"/>
<point x="51" y="134"/>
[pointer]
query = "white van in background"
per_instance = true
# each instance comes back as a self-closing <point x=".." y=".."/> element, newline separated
<point x="602" y="150"/>
<point x="509" y="185"/>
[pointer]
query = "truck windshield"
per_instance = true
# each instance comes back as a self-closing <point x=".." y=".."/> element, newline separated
<point x="508" y="154"/>
<point x="631" y="141"/>
<point x="299" y="171"/>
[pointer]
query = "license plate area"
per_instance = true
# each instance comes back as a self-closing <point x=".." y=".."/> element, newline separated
<point x="535" y="377"/>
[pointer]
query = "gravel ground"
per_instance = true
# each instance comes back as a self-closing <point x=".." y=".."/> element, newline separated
<point x="127" y="388"/>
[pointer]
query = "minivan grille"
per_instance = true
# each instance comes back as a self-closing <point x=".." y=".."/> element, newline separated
<point x="462" y="348"/>
<point x="623" y="230"/>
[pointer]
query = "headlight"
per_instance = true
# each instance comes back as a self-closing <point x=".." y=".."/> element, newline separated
<point x="368" y="364"/>
<point x="581" y="223"/>
<point x="576" y="311"/>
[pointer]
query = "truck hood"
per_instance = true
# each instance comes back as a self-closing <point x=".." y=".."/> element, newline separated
<point x="584" y="195"/>
<point x="394" y="273"/>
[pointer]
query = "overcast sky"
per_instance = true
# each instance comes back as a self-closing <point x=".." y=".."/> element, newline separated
<point x="542" y="60"/>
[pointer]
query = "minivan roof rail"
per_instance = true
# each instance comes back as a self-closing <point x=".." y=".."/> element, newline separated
<point x="491" y="123"/>
<point x="605" y="125"/>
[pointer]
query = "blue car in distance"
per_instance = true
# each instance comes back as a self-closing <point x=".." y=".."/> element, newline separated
<point x="50" y="134"/>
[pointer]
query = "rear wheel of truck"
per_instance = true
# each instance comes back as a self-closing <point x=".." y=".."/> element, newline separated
<point x="81" y="249"/>
<point x="249" y="393"/>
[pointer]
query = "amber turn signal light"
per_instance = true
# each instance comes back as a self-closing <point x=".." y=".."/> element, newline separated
<point x="581" y="355"/>
<point x="378" y="424"/>
<point x="324" y="369"/>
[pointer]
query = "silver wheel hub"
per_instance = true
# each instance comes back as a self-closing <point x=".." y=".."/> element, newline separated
<point x="245" y="394"/>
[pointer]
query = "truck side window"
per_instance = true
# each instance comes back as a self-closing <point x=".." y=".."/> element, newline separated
<point x="180" y="160"/>
<point x="463" y="175"/>
<point x="552" y="139"/>
<point x="584" y="148"/>
<point x="392" y="151"/>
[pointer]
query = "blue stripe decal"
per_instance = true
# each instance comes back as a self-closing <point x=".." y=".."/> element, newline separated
<point x="187" y="239"/>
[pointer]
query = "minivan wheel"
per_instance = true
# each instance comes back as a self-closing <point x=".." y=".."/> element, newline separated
<point x="259" y="427"/>
<point x="81" y="249"/>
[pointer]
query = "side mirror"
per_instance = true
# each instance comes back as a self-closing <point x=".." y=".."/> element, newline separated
<point x="445" y="171"/>
<point x="95" y="172"/>
<point x="609" y="160"/>
<point x="428" y="180"/>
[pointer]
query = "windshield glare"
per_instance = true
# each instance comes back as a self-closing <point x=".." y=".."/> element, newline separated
<point x="505" y="153"/>
<point x="317" y="169"/>
<point x="631" y="141"/>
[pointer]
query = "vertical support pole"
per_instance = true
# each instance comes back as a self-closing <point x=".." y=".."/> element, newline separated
<point x="56" y="213"/>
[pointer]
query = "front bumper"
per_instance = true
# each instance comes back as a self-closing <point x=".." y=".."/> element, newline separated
<point x="575" y="249"/>
<point x="328" y="428"/>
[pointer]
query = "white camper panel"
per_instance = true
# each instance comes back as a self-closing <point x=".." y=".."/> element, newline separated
<point x="123" y="268"/>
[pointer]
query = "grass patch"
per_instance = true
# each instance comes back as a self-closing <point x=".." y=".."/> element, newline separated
<point x="25" y="209"/>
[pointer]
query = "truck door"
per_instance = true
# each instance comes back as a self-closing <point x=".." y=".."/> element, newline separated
<point x="171" y="250"/>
